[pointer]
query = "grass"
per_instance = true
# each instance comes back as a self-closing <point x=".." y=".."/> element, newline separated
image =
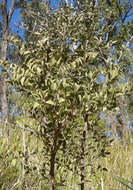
<point x="119" y="163"/>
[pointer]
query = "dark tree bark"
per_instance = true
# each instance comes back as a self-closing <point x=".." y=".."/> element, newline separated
<point x="52" y="166"/>
<point x="83" y="150"/>
<point x="54" y="149"/>
<point x="83" y="160"/>
<point x="6" y="17"/>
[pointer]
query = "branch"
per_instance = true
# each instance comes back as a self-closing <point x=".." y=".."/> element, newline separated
<point x="4" y="15"/>
<point x="126" y="15"/>
<point x="119" y="9"/>
<point x="11" y="10"/>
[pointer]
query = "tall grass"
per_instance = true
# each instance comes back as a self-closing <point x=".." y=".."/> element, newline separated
<point x="118" y="163"/>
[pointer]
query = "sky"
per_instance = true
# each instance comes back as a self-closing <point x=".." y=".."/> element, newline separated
<point x="16" y="19"/>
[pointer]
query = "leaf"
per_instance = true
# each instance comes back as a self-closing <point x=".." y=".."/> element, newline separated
<point x="26" y="52"/>
<point x="43" y="40"/>
<point x="37" y="33"/>
<point x="59" y="60"/>
<point x="13" y="163"/>
<point x="90" y="75"/>
<point x="39" y="70"/>
<point x="114" y="73"/>
<point x="77" y="87"/>
<point x="114" y="42"/>
<point x="53" y="86"/>
<point x="22" y="81"/>
<point x="61" y="100"/>
<point x="104" y="109"/>
<point x="92" y="55"/>
<point x="36" y="104"/>
<point x="50" y="102"/>
<point x="128" y="184"/>
<point x="80" y="98"/>
<point x="64" y="83"/>
<point x="73" y="64"/>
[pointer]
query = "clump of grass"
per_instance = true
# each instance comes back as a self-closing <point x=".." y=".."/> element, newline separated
<point x="118" y="163"/>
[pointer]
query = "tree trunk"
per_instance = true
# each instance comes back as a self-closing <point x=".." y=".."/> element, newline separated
<point x="113" y="124"/>
<point x="52" y="166"/>
<point x="83" y="161"/>
<point x="124" y="121"/>
<point x="83" y="142"/>
<point x="6" y="17"/>
<point x="4" y="49"/>
<point x="124" y="130"/>
<point x="4" y="101"/>
<point x="82" y="178"/>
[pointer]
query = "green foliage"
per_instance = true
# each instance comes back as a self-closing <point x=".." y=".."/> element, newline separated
<point x="10" y="170"/>
<point x="125" y="182"/>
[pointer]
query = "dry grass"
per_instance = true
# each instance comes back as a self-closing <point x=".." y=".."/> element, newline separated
<point x="118" y="163"/>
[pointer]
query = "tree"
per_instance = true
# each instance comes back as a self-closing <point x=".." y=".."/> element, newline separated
<point x="6" y="18"/>
<point x="70" y="73"/>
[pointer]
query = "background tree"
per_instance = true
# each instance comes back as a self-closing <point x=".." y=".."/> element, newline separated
<point x="6" y="18"/>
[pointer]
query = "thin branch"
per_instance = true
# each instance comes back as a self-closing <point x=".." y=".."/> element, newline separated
<point x="11" y="10"/>
<point x="126" y="15"/>
<point x="23" y="28"/>
<point x="119" y="9"/>
<point x="24" y="150"/>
